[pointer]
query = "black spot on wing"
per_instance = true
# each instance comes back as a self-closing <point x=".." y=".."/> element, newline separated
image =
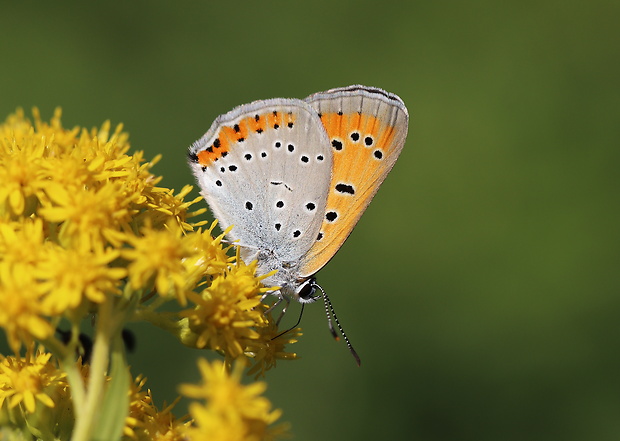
<point x="345" y="189"/>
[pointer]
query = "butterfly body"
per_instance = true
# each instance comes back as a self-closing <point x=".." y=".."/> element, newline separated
<point x="294" y="176"/>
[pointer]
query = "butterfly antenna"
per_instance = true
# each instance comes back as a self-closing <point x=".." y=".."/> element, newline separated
<point x="295" y="325"/>
<point x="329" y="310"/>
<point x="330" y="321"/>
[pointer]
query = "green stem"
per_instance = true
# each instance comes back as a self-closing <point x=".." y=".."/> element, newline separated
<point x="158" y="319"/>
<point x="76" y="383"/>
<point x="85" y="420"/>
<point x="179" y="328"/>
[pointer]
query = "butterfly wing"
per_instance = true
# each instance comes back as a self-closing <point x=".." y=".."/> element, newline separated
<point x="367" y="128"/>
<point x="265" y="168"/>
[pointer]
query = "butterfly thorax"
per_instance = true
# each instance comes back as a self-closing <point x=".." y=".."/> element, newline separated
<point x="286" y="278"/>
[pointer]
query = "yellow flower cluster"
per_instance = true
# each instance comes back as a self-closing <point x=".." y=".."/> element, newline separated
<point x="30" y="379"/>
<point x="71" y="201"/>
<point x="31" y="387"/>
<point x="85" y="231"/>
<point x="146" y="422"/>
<point x="231" y="410"/>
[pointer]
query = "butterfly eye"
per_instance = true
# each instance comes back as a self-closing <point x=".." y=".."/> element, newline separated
<point x="306" y="291"/>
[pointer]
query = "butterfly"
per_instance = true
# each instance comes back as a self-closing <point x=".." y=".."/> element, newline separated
<point x="294" y="176"/>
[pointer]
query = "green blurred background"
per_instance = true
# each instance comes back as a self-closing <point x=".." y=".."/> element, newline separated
<point x="481" y="286"/>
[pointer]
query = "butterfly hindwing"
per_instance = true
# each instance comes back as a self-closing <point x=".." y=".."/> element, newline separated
<point x="265" y="168"/>
<point x="367" y="128"/>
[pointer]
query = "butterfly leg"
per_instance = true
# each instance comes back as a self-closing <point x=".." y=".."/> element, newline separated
<point x="276" y="303"/>
<point x="288" y="302"/>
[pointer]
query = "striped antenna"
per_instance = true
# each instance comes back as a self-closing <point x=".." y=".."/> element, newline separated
<point x="329" y="311"/>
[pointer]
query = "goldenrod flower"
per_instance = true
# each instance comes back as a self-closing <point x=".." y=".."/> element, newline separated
<point x="227" y="312"/>
<point x="70" y="276"/>
<point x="22" y="244"/>
<point x="231" y="411"/>
<point x="139" y="401"/>
<point x="30" y="379"/>
<point x="94" y="217"/>
<point x="156" y="258"/>
<point x="165" y="205"/>
<point x="22" y="314"/>
<point x="213" y="258"/>
<point x="269" y="347"/>
<point x="146" y="422"/>
<point x="20" y="170"/>
<point x="162" y="425"/>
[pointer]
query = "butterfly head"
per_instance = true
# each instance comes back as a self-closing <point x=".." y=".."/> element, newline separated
<point x="305" y="292"/>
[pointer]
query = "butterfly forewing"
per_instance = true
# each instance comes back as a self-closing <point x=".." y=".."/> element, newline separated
<point x="367" y="128"/>
<point x="265" y="168"/>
